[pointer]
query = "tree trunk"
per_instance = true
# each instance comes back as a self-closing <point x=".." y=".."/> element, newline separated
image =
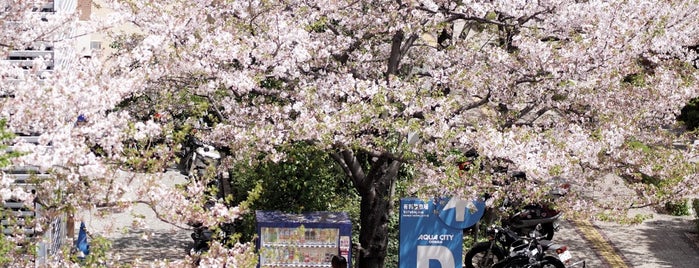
<point x="373" y="234"/>
<point x="376" y="191"/>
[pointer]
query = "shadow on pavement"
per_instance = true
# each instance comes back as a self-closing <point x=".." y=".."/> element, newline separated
<point x="160" y="245"/>
<point x="668" y="242"/>
<point x="658" y="242"/>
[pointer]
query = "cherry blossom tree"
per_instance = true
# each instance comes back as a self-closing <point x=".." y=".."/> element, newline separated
<point x="575" y="89"/>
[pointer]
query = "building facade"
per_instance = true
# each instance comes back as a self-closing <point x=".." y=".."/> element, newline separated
<point x="38" y="59"/>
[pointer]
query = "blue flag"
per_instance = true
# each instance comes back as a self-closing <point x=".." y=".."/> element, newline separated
<point x="81" y="243"/>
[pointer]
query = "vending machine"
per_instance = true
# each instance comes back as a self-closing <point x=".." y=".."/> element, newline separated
<point x="302" y="240"/>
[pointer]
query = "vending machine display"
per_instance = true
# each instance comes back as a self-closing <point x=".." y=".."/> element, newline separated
<point x="302" y="240"/>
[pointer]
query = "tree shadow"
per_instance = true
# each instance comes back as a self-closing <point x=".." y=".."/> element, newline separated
<point x="669" y="241"/>
<point x="151" y="245"/>
<point x="664" y="241"/>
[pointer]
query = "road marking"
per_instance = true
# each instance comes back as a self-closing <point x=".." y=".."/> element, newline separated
<point x="601" y="245"/>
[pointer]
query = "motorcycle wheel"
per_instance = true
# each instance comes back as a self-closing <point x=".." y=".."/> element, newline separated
<point x="548" y="230"/>
<point x="518" y="263"/>
<point x="547" y="262"/>
<point x="552" y="262"/>
<point x="482" y="255"/>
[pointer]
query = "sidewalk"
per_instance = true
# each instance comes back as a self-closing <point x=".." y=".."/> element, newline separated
<point x="663" y="241"/>
<point x="157" y="241"/>
<point x="579" y="248"/>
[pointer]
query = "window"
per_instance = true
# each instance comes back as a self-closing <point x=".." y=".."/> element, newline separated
<point x="95" y="45"/>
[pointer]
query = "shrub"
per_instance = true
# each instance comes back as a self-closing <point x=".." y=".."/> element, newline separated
<point x="695" y="206"/>
<point x="678" y="208"/>
<point x="689" y="115"/>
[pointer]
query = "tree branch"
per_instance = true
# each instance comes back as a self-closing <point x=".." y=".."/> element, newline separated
<point x="387" y="155"/>
<point x="524" y="19"/>
<point x="344" y="56"/>
<point x="408" y="44"/>
<point x="338" y="158"/>
<point x="349" y="163"/>
<point x="216" y="110"/>
<point x="395" y="56"/>
<point x="460" y="16"/>
<point x="474" y="105"/>
<point x="151" y="206"/>
<point x="523" y="113"/>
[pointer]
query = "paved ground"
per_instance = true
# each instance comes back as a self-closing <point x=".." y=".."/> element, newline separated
<point x="577" y="245"/>
<point x="663" y="241"/>
<point x="157" y="241"/>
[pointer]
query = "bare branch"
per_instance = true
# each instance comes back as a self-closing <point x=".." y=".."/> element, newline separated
<point x="409" y="43"/>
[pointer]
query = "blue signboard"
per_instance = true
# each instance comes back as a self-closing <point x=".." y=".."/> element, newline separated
<point x="459" y="213"/>
<point x="431" y="231"/>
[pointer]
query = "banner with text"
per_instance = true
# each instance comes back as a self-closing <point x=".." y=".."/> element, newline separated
<point x="431" y="231"/>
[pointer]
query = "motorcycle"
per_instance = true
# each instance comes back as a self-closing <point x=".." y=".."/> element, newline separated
<point x="486" y="254"/>
<point x="526" y="218"/>
<point x="197" y="158"/>
<point x="532" y="215"/>
<point x="535" y="252"/>
<point x="202" y="236"/>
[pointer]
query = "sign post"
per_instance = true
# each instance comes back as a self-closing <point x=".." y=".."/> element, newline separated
<point x="431" y="231"/>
